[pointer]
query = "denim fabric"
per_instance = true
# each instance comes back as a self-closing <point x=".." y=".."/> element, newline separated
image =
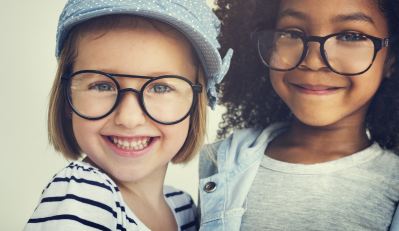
<point x="395" y="221"/>
<point x="232" y="165"/>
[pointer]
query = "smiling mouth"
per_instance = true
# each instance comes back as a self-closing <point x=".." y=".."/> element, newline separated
<point x="316" y="89"/>
<point x="131" y="144"/>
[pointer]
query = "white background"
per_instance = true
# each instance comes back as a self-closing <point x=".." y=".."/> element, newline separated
<point x="27" y="69"/>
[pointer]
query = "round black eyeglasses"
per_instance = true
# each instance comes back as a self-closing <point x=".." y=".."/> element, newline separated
<point x="346" y="53"/>
<point x="166" y="99"/>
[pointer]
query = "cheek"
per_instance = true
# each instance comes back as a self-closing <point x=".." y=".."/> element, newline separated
<point x="84" y="131"/>
<point x="79" y="127"/>
<point x="175" y="135"/>
<point x="367" y="84"/>
<point x="364" y="90"/>
<point x="277" y="81"/>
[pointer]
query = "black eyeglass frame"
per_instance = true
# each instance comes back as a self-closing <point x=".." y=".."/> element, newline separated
<point x="378" y="43"/>
<point x="196" y="88"/>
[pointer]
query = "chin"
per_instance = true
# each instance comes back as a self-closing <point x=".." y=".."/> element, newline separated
<point x="316" y="121"/>
<point x="128" y="176"/>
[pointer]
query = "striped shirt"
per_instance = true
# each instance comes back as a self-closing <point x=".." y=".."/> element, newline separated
<point x="82" y="197"/>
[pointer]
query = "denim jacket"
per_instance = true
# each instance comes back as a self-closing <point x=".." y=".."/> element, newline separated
<point x="227" y="170"/>
<point x="395" y="221"/>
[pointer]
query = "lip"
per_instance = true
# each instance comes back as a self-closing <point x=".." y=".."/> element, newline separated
<point x="316" y="89"/>
<point x="131" y="153"/>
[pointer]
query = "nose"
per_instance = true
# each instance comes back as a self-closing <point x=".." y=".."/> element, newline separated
<point x="313" y="59"/>
<point x="129" y="113"/>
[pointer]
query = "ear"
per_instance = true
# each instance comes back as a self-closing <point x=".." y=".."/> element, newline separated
<point x="389" y="66"/>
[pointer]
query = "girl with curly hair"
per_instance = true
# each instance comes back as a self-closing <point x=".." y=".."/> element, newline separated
<point x="313" y="92"/>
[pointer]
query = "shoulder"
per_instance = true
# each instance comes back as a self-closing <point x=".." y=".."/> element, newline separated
<point x="180" y="199"/>
<point x="242" y="146"/>
<point x="78" y="196"/>
<point x="381" y="166"/>
<point x="81" y="178"/>
<point x="183" y="207"/>
<point x="208" y="159"/>
<point x="388" y="163"/>
<point x="240" y="138"/>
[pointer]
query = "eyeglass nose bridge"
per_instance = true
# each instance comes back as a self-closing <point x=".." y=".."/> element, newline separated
<point x="315" y="39"/>
<point x="321" y="41"/>
<point x="125" y="90"/>
<point x="121" y="92"/>
<point x="318" y="39"/>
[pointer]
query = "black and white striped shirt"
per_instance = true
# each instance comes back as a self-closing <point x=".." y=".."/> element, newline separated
<point x="82" y="197"/>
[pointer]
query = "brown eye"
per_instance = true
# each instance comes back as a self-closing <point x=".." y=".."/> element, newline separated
<point x="351" y="37"/>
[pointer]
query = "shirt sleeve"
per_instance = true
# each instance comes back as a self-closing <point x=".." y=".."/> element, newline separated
<point x="183" y="207"/>
<point x="77" y="198"/>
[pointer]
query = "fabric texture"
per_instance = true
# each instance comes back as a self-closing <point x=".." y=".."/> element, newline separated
<point x="82" y="197"/>
<point x="357" y="192"/>
<point x="193" y="18"/>
<point x="234" y="165"/>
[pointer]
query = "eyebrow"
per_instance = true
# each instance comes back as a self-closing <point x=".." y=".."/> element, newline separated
<point x="358" y="16"/>
<point x="361" y="17"/>
<point x="292" y="13"/>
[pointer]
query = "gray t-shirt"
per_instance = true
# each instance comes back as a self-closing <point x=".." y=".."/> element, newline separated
<point x="357" y="192"/>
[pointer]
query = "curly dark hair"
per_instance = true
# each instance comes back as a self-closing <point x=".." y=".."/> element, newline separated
<point x="248" y="95"/>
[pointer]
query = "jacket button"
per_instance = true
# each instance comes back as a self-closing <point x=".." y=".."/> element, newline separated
<point x="210" y="187"/>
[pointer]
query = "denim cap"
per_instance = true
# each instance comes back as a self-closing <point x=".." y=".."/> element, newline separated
<point x="193" y="18"/>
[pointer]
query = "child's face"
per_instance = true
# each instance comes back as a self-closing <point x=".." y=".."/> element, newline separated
<point x="141" y="50"/>
<point x="315" y="94"/>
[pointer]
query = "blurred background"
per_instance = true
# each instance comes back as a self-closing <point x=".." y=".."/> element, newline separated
<point x="27" y="69"/>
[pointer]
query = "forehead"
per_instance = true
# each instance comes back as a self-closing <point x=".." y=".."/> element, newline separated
<point x="333" y="12"/>
<point x="134" y="46"/>
<point x="98" y="27"/>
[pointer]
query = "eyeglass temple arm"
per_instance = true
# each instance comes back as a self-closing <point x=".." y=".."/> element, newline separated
<point x="197" y="87"/>
<point x="385" y="42"/>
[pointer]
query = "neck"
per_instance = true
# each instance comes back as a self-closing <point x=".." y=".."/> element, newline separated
<point x="309" y="144"/>
<point x="146" y="199"/>
<point x="147" y="191"/>
<point x="350" y="136"/>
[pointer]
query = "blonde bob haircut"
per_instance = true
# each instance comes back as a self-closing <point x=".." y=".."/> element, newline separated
<point x="60" y="132"/>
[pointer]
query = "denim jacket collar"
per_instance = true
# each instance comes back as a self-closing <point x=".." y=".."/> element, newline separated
<point x="227" y="170"/>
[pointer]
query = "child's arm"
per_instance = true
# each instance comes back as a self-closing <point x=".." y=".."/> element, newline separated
<point x="75" y="199"/>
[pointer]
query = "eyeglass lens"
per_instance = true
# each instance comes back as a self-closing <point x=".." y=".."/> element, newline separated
<point x="166" y="99"/>
<point x="344" y="53"/>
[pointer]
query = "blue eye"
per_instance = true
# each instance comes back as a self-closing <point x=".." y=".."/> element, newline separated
<point x="160" y="89"/>
<point x="351" y="37"/>
<point x="102" y="87"/>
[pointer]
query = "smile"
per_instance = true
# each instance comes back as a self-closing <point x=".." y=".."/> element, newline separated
<point x="316" y="89"/>
<point x="131" y="144"/>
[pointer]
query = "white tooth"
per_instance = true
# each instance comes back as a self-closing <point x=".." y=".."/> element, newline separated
<point x="136" y="145"/>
